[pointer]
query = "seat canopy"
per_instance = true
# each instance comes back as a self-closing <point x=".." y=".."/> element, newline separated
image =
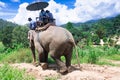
<point x="37" y="6"/>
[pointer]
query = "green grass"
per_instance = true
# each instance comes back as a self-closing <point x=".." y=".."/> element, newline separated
<point x="1" y="47"/>
<point x="52" y="78"/>
<point x="106" y="63"/>
<point x="90" y="54"/>
<point x="114" y="57"/>
<point x="87" y="54"/>
<point x="20" y="55"/>
<point x="96" y="55"/>
<point x="9" y="73"/>
<point x="106" y="60"/>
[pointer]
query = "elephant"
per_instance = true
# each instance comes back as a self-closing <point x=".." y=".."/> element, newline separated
<point x="56" y="41"/>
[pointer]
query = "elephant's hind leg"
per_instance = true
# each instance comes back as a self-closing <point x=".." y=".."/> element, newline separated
<point x="61" y="65"/>
<point x="68" y="56"/>
<point x="46" y="56"/>
<point x="68" y="59"/>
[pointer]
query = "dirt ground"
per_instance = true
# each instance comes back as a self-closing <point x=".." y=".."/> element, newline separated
<point x="89" y="72"/>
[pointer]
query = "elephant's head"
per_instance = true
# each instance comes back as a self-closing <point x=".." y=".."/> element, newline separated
<point x="31" y="34"/>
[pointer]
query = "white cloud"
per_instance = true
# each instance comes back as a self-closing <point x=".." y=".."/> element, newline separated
<point x="84" y="10"/>
<point x="22" y="15"/>
<point x="2" y="4"/>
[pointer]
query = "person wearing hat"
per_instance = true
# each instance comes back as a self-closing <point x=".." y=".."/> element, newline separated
<point x="32" y="24"/>
<point x="42" y="15"/>
<point x="49" y="15"/>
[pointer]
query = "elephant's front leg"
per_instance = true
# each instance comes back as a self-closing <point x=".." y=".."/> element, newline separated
<point x="43" y="60"/>
<point x="32" y="47"/>
<point x="41" y="55"/>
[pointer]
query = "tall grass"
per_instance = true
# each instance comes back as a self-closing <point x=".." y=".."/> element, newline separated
<point x="87" y="54"/>
<point x="20" y="55"/>
<point x="9" y="73"/>
<point x="90" y="54"/>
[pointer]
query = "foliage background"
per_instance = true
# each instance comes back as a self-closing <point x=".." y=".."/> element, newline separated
<point x="14" y="43"/>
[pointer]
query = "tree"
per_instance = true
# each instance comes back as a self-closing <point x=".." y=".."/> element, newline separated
<point x="100" y="31"/>
<point x="86" y="27"/>
<point x="116" y="24"/>
<point x="6" y="36"/>
<point x="19" y="36"/>
<point x="75" y="32"/>
<point x="69" y="26"/>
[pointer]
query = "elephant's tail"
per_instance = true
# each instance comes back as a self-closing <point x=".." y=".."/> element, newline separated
<point x="76" y="51"/>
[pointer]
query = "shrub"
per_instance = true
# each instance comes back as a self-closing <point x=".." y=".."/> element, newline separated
<point x="92" y="57"/>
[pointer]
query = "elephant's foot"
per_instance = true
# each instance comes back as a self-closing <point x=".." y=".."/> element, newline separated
<point x="35" y="64"/>
<point x="63" y="70"/>
<point x="44" y="65"/>
<point x="71" y="68"/>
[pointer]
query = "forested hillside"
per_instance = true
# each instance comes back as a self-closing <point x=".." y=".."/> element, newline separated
<point x="93" y="31"/>
<point x="12" y="35"/>
<point x="4" y="23"/>
<point x="88" y="33"/>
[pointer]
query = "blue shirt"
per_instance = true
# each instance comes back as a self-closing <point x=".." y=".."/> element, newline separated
<point x="42" y="15"/>
<point x="32" y="25"/>
<point x="49" y="15"/>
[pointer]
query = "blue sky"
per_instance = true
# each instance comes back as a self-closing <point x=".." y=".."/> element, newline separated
<point x="63" y="10"/>
<point x="11" y="6"/>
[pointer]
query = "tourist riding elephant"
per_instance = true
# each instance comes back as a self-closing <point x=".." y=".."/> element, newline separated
<point x="56" y="41"/>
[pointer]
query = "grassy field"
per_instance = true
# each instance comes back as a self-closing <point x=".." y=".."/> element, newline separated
<point x="97" y="55"/>
<point x="11" y="56"/>
<point x="89" y="54"/>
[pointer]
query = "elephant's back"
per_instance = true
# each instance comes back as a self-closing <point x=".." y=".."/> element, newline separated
<point x="62" y="35"/>
<point x="55" y="33"/>
<point x="57" y="37"/>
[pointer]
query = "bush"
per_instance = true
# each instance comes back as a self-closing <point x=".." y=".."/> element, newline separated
<point x="92" y="57"/>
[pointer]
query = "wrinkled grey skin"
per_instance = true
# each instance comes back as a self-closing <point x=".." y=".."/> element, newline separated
<point x="57" y="42"/>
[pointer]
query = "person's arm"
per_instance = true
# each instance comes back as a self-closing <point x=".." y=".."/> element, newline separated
<point x="45" y="27"/>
